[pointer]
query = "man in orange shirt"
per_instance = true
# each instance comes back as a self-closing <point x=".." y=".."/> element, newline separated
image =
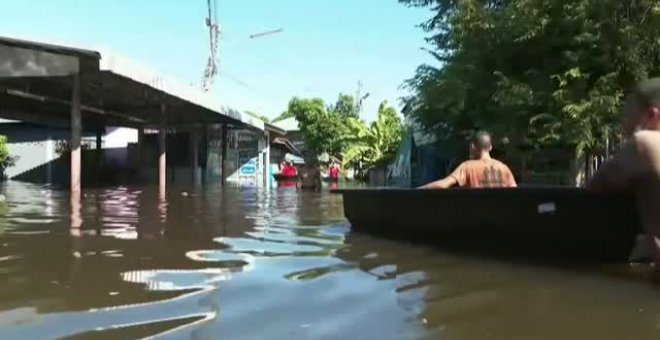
<point x="481" y="171"/>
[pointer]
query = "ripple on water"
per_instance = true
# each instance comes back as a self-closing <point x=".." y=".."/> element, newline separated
<point x="231" y="261"/>
<point x="292" y="238"/>
<point x="172" y="280"/>
<point x="269" y="248"/>
<point x="284" y="272"/>
<point x="317" y="272"/>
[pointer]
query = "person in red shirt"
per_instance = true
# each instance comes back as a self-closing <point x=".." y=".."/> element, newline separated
<point x="333" y="170"/>
<point x="289" y="170"/>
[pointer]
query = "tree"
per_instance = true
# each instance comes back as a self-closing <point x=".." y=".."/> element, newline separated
<point x="6" y="159"/>
<point x="536" y="72"/>
<point x="377" y="144"/>
<point x="322" y="130"/>
<point x="346" y="106"/>
<point x="284" y="115"/>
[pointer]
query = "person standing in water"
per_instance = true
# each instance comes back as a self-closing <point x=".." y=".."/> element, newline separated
<point x="289" y="170"/>
<point x="310" y="177"/>
<point x="482" y="171"/>
<point x="636" y="167"/>
<point x="333" y="172"/>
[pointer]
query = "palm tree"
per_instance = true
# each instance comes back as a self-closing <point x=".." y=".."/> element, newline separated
<point x="375" y="145"/>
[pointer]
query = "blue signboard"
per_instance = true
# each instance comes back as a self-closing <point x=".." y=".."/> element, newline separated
<point x="248" y="169"/>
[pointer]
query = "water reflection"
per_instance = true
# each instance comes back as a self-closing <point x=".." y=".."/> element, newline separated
<point x="214" y="263"/>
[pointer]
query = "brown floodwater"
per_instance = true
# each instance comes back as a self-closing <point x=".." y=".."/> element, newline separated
<point x="251" y="264"/>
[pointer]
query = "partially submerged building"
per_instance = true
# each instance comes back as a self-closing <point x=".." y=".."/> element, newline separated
<point x="422" y="156"/>
<point x="72" y="113"/>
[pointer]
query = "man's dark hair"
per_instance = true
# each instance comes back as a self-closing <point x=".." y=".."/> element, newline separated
<point x="481" y="140"/>
<point x="648" y="92"/>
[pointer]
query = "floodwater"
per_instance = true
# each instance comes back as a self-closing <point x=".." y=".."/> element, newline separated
<point x="249" y="264"/>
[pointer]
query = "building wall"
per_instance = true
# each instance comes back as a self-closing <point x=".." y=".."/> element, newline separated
<point x="42" y="159"/>
<point x="36" y="150"/>
<point x="41" y="155"/>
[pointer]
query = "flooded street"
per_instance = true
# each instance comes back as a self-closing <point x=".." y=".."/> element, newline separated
<point x="251" y="264"/>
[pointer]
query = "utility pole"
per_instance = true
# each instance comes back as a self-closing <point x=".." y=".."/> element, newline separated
<point x="214" y="33"/>
<point x="359" y="98"/>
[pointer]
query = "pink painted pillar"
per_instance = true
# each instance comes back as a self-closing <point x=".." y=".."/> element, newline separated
<point x="76" y="131"/>
<point x="162" y="155"/>
<point x="76" y="155"/>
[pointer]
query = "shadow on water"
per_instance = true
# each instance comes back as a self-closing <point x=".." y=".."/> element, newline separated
<point x="253" y="264"/>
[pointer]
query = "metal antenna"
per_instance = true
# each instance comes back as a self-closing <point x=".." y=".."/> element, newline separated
<point x="214" y="34"/>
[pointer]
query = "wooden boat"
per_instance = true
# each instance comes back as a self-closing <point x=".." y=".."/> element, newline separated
<point x="283" y="178"/>
<point x="556" y="223"/>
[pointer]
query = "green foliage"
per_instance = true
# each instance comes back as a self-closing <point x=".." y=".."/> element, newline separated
<point x="322" y="130"/>
<point x="374" y="145"/>
<point x="537" y="72"/>
<point x="346" y="106"/>
<point x="328" y="129"/>
<point x="6" y="159"/>
<point x="284" y="115"/>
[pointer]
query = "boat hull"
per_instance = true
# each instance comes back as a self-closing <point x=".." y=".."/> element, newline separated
<point x="561" y="223"/>
<point x="283" y="178"/>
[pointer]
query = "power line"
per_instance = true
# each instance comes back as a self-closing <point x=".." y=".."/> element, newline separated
<point x="257" y="35"/>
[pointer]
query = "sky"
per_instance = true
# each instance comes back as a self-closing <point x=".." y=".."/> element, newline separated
<point x="325" y="48"/>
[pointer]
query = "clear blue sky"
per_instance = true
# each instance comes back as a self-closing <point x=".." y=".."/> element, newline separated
<point x="326" y="46"/>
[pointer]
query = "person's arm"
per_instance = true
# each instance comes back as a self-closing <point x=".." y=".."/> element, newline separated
<point x="510" y="179"/>
<point x="444" y="183"/>
<point x="318" y="181"/>
<point x="458" y="177"/>
<point x="619" y="172"/>
<point x="610" y="176"/>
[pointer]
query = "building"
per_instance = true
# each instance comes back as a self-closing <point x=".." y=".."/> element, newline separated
<point x="293" y="133"/>
<point x="422" y="157"/>
<point x="83" y="102"/>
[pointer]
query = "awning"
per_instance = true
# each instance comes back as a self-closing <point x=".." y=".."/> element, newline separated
<point x="294" y="159"/>
<point x="36" y="86"/>
<point x="288" y="145"/>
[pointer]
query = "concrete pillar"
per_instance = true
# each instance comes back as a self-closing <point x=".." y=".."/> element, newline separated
<point x="99" y="146"/>
<point x="50" y="156"/>
<point x="223" y="164"/>
<point x="204" y="152"/>
<point x="194" y="155"/>
<point x="76" y="153"/>
<point x="139" y="152"/>
<point x="267" y="175"/>
<point x="99" y="139"/>
<point x="162" y="155"/>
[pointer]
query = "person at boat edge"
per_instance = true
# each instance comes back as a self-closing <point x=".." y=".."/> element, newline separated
<point x="310" y="176"/>
<point x="289" y="170"/>
<point x="636" y="167"/>
<point x="482" y="171"/>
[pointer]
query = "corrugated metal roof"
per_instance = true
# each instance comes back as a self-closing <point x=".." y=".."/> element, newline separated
<point x="64" y="50"/>
<point x="108" y="67"/>
<point x="289" y="124"/>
